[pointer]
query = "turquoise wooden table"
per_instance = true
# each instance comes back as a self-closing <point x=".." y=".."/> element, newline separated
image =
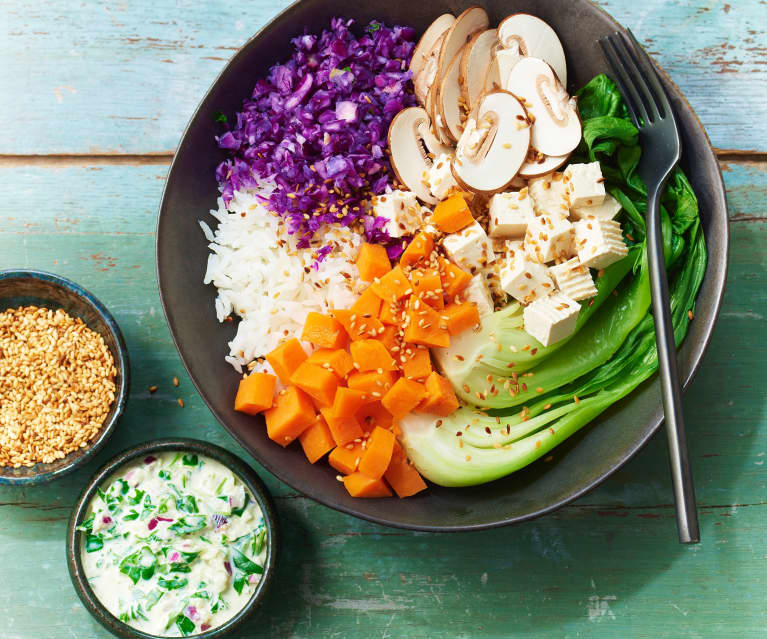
<point x="93" y="98"/>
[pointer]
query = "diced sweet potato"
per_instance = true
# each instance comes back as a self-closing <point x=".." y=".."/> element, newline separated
<point x="358" y="485"/>
<point x="291" y="414"/>
<point x="454" y="278"/>
<point x="417" y="364"/>
<point x="371" y="355"/>
<point x="440" y="396"/>
<point x="324" y="331"/>
<point x="348" y="401"/>
<point x="403" y="397"/>
<point x="375" y="460"/>
<point x="316" y="440"/>
<point x="452" y="215"/>
<point x="427" y="286"/>
<point x="345" y="459"/>
<point x="373" y="262"/>
<point x="389" y="338"/>
<point x="402" y="476"/>
<point x="392" y="286"/>
<point x="255" y="393"/>
<point x="338" y="360"/>
<point x="425" y="326"/>
<point x="357" y="326"/>
<point x="317" y="382"/>
<point x="372" y="382"/>
<point x="286" y="358"/>
<point x="421" y="246"/>
<point x="392" y="313"/>
<point x="374" y="414"/>
<point x="368" y="304"/>
<point x="460" y="317"/>
<point x="343" y="429"/>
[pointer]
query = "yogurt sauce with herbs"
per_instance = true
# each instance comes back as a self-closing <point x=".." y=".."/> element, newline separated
<point x="174" y="544"/>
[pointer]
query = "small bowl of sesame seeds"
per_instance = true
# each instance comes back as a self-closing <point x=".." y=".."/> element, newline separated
<point x="64" y="376"/>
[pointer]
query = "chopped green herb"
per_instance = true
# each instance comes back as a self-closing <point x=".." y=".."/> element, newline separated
<point x="139" y="565"/>
<point x="185" y="625"/>
<point x="220" y="486"/>
<point x="242" y="568"/>
<point x="153" y="597"/>
<point x="172" y="584"/>
<point x="190" y="460"/>
<point x="241" y="509"/>
<point x="187" y="504"/>
<point x="132" y="514"/>
<point x="187" y="525"/>
<point x="93" y="543"/>
<point x="218" y="116"/>
<point x="164" y="474"/>
<point x="137" y="497"/>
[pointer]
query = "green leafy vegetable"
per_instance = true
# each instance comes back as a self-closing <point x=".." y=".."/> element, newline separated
<point x="139" y="565"/>
<point x="93" y="542"/>
<point x="218" y="116"/>
<point x="190" y="460"/>
<point x="187" y="525"/>
<point x="238" y="511"/>
<point x="185" y="625"/>
<point x="172" y="584"/>
<point x="242" y="568"/>
<point x="564" y="386"/>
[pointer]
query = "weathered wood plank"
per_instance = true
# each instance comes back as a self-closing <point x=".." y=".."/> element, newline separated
<point x="105" y="77"/>
<point x="606" y="566"/>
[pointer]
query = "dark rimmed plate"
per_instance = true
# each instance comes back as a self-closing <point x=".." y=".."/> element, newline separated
<point x="25" y="287"/>
<point x="248" y="476"/>
<point x="579" y="464"/>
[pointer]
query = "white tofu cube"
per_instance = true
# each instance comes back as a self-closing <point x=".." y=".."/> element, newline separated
<point x="469" y="248"/>
<point x="609" y="208"/>
<point x="510" y="214"/>
<point x="402" y="210"/>
<point x="549" y="237"/>
<point x="585" y="184"/>
<point x="573" y="279"/>
<point x="599" y="242"/>
<point x="478" y="292"/>
<point x="524" y="279"/>
<point x="550" y="195"/>
<point x="550" y="319"/>
<point x="440" y="177"/>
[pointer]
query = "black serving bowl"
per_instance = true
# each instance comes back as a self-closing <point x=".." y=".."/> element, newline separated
<point x="579" y="464"/>
<point x="38" y="288"/>
<point x="242" y="470"/>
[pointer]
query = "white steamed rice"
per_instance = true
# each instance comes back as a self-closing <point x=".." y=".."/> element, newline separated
<point x="270" y="284"/>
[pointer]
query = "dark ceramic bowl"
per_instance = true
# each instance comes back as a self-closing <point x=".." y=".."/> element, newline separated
<point x="243" y="471"/>
<point x="579" y="464"/>
<point x="37" y="288"/>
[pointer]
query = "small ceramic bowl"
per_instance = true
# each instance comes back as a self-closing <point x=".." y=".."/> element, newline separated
<point x="38" y="288"/>
<point x="242" y="470"/>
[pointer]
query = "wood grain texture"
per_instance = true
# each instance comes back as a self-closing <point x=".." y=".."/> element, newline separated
<point x="606" y="566"/>
<point x="126" y="76"/>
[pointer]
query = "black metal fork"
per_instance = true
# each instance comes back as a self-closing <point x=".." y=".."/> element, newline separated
<point x="652" y="114"/>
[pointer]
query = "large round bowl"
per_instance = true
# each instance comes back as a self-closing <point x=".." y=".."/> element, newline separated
<point x="580" y="463"/>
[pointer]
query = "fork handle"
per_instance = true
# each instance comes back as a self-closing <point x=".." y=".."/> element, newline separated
<point x="681" y="474"/>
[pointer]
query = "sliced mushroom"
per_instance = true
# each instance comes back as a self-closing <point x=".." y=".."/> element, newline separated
<point x="493" y="146"/>
<point x="429" y="37"/>
<point x="475" y="61"/>
<point x="467" y="24"/>
<point x="449" y="99"/>
<point x="492" y="78"/>
<point x="538" y="164"/>
<point x="535" y="38"/>
<point x="518" y="182"/>
<point x="556" y="125"/>
<point x="424" y="80"/>
<point x="506" y="59"/>
<point x="411" y="144"/>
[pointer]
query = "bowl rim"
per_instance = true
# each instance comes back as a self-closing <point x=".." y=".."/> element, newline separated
<point x="655" y="422"/>
<point x="237" y="465"/>
<point x="122" y="363"/>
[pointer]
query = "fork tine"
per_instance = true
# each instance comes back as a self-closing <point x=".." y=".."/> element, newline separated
<point x="646" y="65"/>
<point x="630" y="95"/>
<point x="623" y="48"/>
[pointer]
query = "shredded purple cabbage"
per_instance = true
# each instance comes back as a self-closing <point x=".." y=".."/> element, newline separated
<point x="317" y="126"/>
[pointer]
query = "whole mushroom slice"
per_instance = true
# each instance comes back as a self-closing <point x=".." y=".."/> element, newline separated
<point x="493" y="146"/>
<point x="449" y="99"/>
<point x="424" y="79"/>
<point x="412" y="147"/>
<point x="556" y="126"/>
<point x="538" y="164"/>
<point x="535" y="38"/>
<point x="429" y="37"/>
<point x="467" y="24"/>
<point x="475" y="61"/>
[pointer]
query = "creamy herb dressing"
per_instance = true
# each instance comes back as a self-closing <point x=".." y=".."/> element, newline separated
<point x="174" y="544"/>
